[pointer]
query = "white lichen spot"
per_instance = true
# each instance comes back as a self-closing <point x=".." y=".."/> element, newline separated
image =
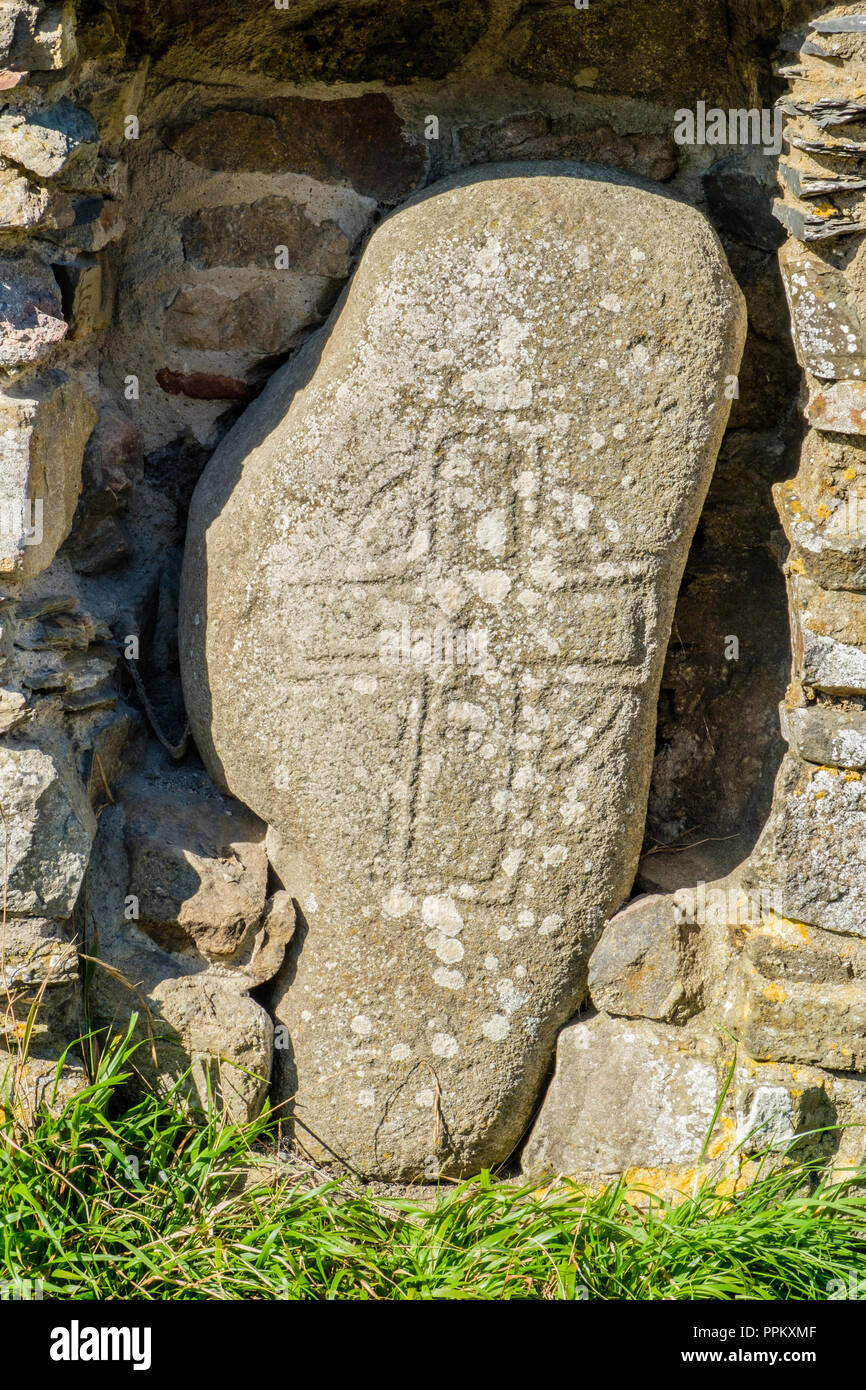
<point x="444" y="1045"/>
<point x="496" y="1029"/>
<point x="366" y="1099"/>
<point x="467" y="715"/>
<point x="510" y="998"/>
<point x="554" y="855"/>
<point x="440" y="912"/>
<point x="493" y="586"/>
<point x="491" y="533"/>
<point x="525" y="484"/>
<point x="424" y="1099"/>
<point x="449" y="950"/>
<point x="397" y="903"/>
<point x="551" y="924"/>
<point x="498" y="388"/>
<point x="361" y="1025"/>
<point x="582" y="507"/>
<point x="511" y="334"/>
<point x="401" y="1052"/>
<point x="448" y="979"/>
<point x="512" y="862"/>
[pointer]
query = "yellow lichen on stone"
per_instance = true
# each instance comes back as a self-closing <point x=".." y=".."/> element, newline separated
<point x="775" y="993"/>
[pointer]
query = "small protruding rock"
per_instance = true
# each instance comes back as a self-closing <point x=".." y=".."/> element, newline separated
<point x="199" y="871"/>
<point x="840" y="408"/>
<point x="193" y="1004"/>
<point x="643" y="966"/>
<point x="87" y="295"/>
<point x="26" y="206"/>
<point x="776" y="1115"/>
<point x="203" y="386"/>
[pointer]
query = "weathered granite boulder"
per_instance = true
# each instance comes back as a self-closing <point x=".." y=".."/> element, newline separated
<point x="428" y="586"/>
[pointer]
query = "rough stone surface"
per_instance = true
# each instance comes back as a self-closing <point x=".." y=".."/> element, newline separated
<point x="828" y="631"/>
<point x="87" y="292"/>
<point x="535" y="135"/>
<point x="30" y="1084"/>
<point x="358" y="140"/>
<point x="44" y="429"/>
<point x="833" y="737"/>
<point x="777" y="1116"/>
<point x="25" y="205"/>
<point x="827" y="330"/>
<point x="812" y="847"/>
<point x="624" y="1095"/>
<point x="535" y="497"/>
<point x="250" y="235"/>
<point x="840" y="408"/>
<point x="202" y="386"/>
<point x="36" y="37"/>
<point x="800" y="996"/>
<point x="828" y="553"/>
<point x="31" y="313"/>
<point x="36" y="952"/>
<point x="50" y="828"/>
<point x="264" y="318"/>
<point x="642" y="967"/>
<point x="192" y="1002"/>
<point x="199" y="873"/>
<point x="622" y="48"/>
<point x="59" y="141"/>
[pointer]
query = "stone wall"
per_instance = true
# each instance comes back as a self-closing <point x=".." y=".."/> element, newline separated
<point x="184" y="192"/>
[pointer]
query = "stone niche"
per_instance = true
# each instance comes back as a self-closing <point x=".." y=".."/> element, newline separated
<point x="392" y="619"/>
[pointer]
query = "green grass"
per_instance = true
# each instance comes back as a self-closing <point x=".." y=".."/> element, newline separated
<point x="205" y="1219"/>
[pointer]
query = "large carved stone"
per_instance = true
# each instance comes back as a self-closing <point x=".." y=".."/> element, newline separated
<point x="427" y="593"/>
